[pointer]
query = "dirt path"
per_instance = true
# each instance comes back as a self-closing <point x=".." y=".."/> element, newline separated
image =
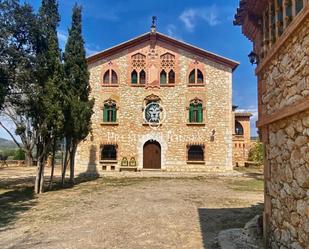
<point x="129" y="213"/>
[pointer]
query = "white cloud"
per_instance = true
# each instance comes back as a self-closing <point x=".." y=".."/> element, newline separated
<point x="172" y="32"/>
<point x="90" y="51"/>
<point x="209" y="14"/>
<point x="63" y="37"/>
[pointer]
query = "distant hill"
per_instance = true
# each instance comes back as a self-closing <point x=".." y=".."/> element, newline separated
<point x="7" y="144"/>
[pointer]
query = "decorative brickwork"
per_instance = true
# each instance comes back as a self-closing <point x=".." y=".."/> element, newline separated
<point x="131" y="132"/>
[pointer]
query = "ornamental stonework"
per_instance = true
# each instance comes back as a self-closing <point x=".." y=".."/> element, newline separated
<point x="210" y="140"/>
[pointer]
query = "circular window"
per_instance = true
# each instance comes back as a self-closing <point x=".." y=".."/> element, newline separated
<point x="153" y="113"/>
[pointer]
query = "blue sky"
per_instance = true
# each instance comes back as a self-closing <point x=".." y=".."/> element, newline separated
<point x="204" y="23"/>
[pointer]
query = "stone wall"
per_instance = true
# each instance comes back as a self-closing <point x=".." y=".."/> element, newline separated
<point x="130" y="133"/>
<point x="288" y="155"/>
<point x="284" y="89"/>
<point x="240" y="151"/>
<point x="286" y="80"/>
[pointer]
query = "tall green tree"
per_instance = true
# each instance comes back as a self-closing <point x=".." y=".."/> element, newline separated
<point x="48" y="102"/>
<point x="78" y="110"/>
<point x="18" y="44"/>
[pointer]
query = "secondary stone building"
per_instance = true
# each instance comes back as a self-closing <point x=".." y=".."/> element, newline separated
<point x="241" y="137"/>
<point x="279" y="30"/>
<point x="159" y="104"/>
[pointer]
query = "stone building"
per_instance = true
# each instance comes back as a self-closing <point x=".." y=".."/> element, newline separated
<point x="280" y="34"/>
<point x="241" y="137"/>
<point x="159" y="104"/>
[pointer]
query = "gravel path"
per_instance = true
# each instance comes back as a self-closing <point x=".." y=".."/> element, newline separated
<point x="132" y="213"/>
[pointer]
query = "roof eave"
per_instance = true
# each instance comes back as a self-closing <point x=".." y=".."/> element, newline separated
<point x="146" y="37"/>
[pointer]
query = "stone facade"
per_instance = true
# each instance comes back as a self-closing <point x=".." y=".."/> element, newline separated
<point x="288" y="159"/>
<point x="283" y="89"/>
<point x="130" y="132"/>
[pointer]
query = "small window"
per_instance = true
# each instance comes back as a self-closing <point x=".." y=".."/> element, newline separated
<point x="110" y="77"/>
<point x="200" y="77"/>
<point x="110" y="112"/>
<point x="196" y="153"/>
<point x="114" y="77"/>
<point x="196" y="113"/>
<point x="163" y="77"/>
<point x="142" y="77"/>
<point x="239" y="130"/>
<point x="192" y="77"/>
<point x="106" y="77"/>
<point x="171" y="77"/>
<point x="134" y="77"/>
<point x="109" y="152"/>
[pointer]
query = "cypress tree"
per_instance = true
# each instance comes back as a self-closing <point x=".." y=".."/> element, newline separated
<point x="78" y="110"/>
<point x="48" y="112"/>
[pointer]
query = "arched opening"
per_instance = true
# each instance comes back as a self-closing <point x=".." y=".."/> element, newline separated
<point x="109" y="152"/>
<point x="163" y="77"/>
<point x="196" y="153"/>
<point x="142" y="77"/>
<point x="114" y="77"/>
<point x="134" y="77"/>
<point x="106" y="77"/>
<point x="192" y="77"/>
<point x="200" y="77"/>
<point x="171" y="77"/>
<point x="239" y="130"/>
<point x="152" y="155"/>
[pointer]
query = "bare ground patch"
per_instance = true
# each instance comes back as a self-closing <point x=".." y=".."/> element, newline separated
<point x="125" y="212"/>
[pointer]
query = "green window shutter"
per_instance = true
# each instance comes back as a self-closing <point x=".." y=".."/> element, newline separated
<point x="191" y="109"/>
<point x="105" y="114"/>
<point x="200" y="113"/>
<point x="134" y="77"/>
<point x="114" y="118"/>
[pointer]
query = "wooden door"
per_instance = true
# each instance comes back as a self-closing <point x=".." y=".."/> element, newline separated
<point x="152" y="155"/>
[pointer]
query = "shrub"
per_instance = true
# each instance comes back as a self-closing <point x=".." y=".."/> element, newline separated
<point x="19" y="155"/>
<point x="256" y="153"/>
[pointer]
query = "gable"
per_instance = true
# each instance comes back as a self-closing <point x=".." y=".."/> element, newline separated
<point x="155" y="37"/>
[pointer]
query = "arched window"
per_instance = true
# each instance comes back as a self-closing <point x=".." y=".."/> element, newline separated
<point x="134" y="77"/>
<point x="106" y="77"/>
<point x="239" y="130"/>
<point x="196" y="77"/>
<point x="192" y="77"/>
<point x="196" y="111"/>
<point x="196" y="153"/>
<point x="200" y="77"/>
<point x="109" y="152"/>
<point x="110" y="77"/>
<point x="110" y="111"/>
<point x="114" y="77"/>
<point x="142" y="77"/>
<point x="163" y="79"/>
<point x="171" y="77"/>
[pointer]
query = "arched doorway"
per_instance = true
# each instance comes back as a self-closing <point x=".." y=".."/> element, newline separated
<point x="152" y="155"/>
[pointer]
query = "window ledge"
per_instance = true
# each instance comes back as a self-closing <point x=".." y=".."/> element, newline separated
<point x="147" y="124"/>
<point x="109" y="161"/>
<point x="110" y="123"/>
<point x="138" y="85"/>
<point x="110" y="85"/>
<point x="195" y="162"/>
<point x="196" y="124"/>
<point x="167" y="85"/>
<point x="196" y="85"/>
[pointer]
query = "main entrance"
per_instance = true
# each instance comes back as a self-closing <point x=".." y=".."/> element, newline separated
<point x="152" y="155"/>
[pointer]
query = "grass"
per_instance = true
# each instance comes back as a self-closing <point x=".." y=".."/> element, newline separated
<point x="256" y="185"/>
